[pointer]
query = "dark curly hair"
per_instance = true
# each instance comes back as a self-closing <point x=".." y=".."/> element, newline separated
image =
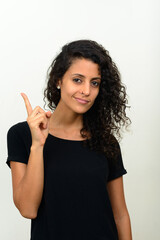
<point x="107" y="115"/>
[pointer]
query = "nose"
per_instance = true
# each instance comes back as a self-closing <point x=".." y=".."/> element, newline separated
<point x="85" y="89"/>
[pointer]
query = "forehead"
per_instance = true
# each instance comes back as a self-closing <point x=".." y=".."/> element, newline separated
<point x="85" y="67"/>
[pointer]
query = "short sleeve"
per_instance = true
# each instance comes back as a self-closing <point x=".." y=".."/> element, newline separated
<point x="116" y="166"/>
<point x="17" y="145"/>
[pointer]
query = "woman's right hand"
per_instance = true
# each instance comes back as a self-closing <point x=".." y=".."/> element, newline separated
<point x="38" y="121"/>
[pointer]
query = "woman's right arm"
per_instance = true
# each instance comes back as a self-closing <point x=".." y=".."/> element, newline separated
<point x="28" y="179"/>
<point x="27" y="182"/>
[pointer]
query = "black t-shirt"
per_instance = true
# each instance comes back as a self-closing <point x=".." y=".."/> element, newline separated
<point x="75" y="203"/>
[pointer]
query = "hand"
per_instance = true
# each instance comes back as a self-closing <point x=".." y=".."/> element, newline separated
<point x="38" y="121"/>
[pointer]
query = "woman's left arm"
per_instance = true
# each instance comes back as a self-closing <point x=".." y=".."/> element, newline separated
<point x="116" y="194"/>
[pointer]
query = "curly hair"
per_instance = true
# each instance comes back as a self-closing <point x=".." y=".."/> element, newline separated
<point x="108" y="114"/>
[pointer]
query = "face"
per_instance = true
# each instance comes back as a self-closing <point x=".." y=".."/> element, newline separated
<point x="80" y="83"/>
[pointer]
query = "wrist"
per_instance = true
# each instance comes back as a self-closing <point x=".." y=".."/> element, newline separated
<point x="35" y="147"/>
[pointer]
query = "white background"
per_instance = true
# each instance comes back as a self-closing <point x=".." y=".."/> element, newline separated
<point x="32" y="33"/>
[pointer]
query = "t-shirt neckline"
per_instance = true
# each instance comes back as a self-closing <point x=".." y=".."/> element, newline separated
<point x="63" y="139"/>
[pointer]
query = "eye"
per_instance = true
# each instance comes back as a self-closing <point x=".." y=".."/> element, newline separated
<point x="96" y="84"/>
<point x="75" y="79"/>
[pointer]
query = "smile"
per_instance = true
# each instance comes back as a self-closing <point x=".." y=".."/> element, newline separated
<point x="81" y="101"/>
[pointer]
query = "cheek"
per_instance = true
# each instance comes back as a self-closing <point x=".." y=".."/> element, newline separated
<point x="72" y="90"/>
<point x="96" y="94"/>
<point x="69" y="93"/>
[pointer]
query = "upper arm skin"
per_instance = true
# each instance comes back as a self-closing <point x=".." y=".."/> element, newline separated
<point x="18" y="170"/>
<point x="116" y="194"/>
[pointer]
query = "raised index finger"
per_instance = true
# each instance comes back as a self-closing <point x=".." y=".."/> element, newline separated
<point x="27" y="103"/>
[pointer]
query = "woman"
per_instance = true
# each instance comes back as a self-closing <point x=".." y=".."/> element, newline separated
<point x="67" y="168"/>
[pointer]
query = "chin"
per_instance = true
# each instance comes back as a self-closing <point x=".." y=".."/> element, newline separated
<point x="82" y="111"/>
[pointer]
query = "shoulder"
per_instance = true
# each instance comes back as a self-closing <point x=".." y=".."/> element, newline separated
<point x="113" y="140"/>
<point x="19" y="127"/>
<point x="20" y="130"/>
<point x="113" y="147"/>
<point x="19" y="142"/>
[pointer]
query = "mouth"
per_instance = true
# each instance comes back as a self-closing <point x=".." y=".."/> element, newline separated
<point x="81" y="100"/>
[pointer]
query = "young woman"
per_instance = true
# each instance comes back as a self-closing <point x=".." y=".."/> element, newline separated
<point x="66" y="164"/>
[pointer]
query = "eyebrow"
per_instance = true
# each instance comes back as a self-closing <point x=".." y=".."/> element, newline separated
<point x="80" y="75"/>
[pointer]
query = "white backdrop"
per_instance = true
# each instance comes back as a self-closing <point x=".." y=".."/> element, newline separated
<point x="32" y="33"/>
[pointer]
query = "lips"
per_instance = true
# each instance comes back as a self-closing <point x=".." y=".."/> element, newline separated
<point x="81" y="100"/>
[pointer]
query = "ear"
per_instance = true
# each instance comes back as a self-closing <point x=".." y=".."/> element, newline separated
<point x="58" y="83"/>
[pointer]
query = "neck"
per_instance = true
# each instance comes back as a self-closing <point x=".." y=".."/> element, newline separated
<point x="63" y="118"/>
